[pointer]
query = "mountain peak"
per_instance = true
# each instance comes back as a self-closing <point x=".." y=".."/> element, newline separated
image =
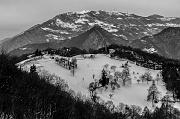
<point x="111" y="25"/>
<point x="94" y="38"/>
<point x="156" y="16"/>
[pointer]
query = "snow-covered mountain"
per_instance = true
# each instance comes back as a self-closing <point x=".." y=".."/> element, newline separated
<point x="94" y="38"/>
<point x="165" y="43"/>
<point x="68" y="25"/>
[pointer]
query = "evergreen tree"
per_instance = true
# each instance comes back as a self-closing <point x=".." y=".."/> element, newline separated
<point x="153" y="93"/>
<point x="146" y="113"/>
<point x="104" y="79"/>
<point x="33" y="69"/>
<point x="38" y="53"/>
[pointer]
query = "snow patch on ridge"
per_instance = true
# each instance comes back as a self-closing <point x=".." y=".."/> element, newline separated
<point x="115" y="13"/>
<point x="106" y="26"/>
<point x="83" y="12"/>
<point x="121" y="35"/>
<point x="22" y="48"/>
<point x="81" y="21"/>
<point x="55" y="31"/>
<point x="166" y="18"/>
<point x="52" y="36"/>
<point x="47" y="40"/>
<point x="74" y="27"/>
<point x="150" y="50"/>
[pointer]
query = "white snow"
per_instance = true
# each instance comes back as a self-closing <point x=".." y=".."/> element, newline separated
<point x="143" y="41"/>
<point x="91" y="24"/>
<point x="115" y="12"/>
<point x="52" y="36"/>
<point x="97" y="12"/>
<point x="133" y="24"/>
<point x="55" y="31"/>
<point x="145" y="33"/>
<point x="124" y="36"/>
<point x="64" y="32"/>
<point x="112" y="30"/>
<point x="83" y="12"/>
<point x="81" y="21"/>
<point x="47" y="40"/>
<point x="119" y="18"/>
<point x="23" y="48"/>
<point x="106" y="26"/>
<point x="121" y="35"/>
<point x="166" y="18"/>
<point x="150" y="50"/>
<point x="74" y="27"/>
<point x="131" y="94"/>
<point x="172" y="25"/>
<point x="166" y="24"/>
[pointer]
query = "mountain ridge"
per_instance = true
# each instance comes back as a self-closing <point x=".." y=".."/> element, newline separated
<point x="165" y="43"/>
<point x="71" y="24"/>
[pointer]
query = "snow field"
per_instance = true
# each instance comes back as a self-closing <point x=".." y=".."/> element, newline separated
<point x="130" y="94"/>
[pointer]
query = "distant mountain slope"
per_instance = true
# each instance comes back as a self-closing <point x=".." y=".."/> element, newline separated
<point x="30" y="48"/>
<point x="71" y="24"/>
<point x="94" y="38"/>
<point x="165" y="43"/>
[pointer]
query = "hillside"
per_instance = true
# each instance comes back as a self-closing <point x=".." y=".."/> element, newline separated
<point x="94" y="38"/>
<point x="165" y="43"/>
<point x="71" y="24"/>
<point x="31" y="48"/>
<point x="133" y="93"/>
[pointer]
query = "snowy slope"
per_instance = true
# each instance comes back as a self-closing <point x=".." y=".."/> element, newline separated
<point x="131" y="94"/>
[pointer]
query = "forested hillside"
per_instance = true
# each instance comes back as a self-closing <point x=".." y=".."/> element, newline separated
<point x="25" y="95"/>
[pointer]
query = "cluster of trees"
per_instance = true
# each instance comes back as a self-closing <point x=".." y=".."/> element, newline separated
<point x="146" y="77"/>
<point x="171" y="76"/>
<point x="38" y="53"/>
<point x="104" y="79"/>
<point x="66" y="52"/>
<point x="67" y="62"/>
<point x="153" y="61"/>
<point x="26" y="95"/>
<point x="170" y="67"/>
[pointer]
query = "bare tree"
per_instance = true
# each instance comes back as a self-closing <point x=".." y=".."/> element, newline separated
<point x="113" y="68"/>
<point x="125" y="75"/>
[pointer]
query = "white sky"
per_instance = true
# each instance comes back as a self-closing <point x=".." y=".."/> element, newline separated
<point x="19" y="15"/>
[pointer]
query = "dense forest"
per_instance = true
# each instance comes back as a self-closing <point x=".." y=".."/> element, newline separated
<point x="26" y="95"/>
